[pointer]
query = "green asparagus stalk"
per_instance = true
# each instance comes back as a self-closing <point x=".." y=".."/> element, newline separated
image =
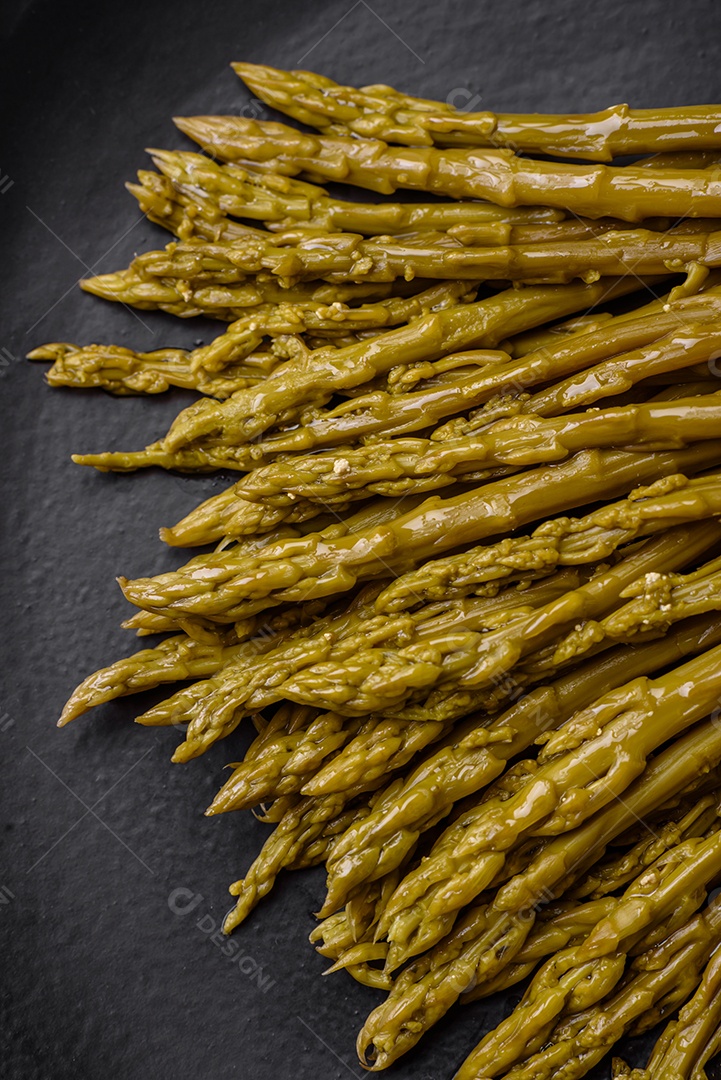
<point x="487" y="939"/>
<point x="196" y="653"/>
<point x="303" y="837"/>
<point x="570" y="785"/>
<point x="231" y="302"/>
<point x="123" y="371"/>
<point x="384" y="113"/>
<point x="695" y="815"/>
<point x="280" y="202"/>
<point x="656" y="602"/>
<point x="557" y="927"/>
<point x="303" y="383"/>
<point x="287" y="761"/>
<point x="196" y="203"/>
<point x="465" y="657"/>
<point x="185" y="215"/>
<point x="593" y="191"/>
<point x="664" y="974"/>
<point x="402" y="466"/>
<point x="471" y="758"/>
<point x="391" y="741"/>
<point x="688" y="1043"/>
<point x="214" y="708"/>
<point x="579" y="977"/>
<point x="173" y="660"/>
<point x="313" y="566"/>
<point x="341" y="257"/>
<point x="233" y="361"/>
<point x="347" y="937"/>
<point x="569" y="923"/>
<point x="231" y="514"/>
<point x="490" y="378"/>
<point x="559" y="541"/>
<point x="303" y="824"/>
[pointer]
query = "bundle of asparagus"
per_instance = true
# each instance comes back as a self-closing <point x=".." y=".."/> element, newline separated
<point x="490" y="712"/>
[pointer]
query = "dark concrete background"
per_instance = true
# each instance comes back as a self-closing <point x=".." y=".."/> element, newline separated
<point x="101" y="978"/>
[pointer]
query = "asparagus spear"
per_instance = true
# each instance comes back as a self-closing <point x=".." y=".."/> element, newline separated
<point x="557" y="541"/>
<point x="393" y="740"/>
<point x="347" y="936"/>
<point x="196" y="215"/>
<point x="471" y="758"/>
<point x="688" y="1043"/>
<point x="487" y="939"/>
<point x="123" y="371"/>
<point x="655" y="599"/>
<point x="559" y="926"/>
<point x="341" y="257"/>
<point x="593" y="191"/>
<point x="568" y="923"/>
<point x="384" y="113"/>
<point x="302" y="383"/>
<point x="173" y="660"/>
<point x="571" y="784"/>
<point x="231" y="514"/>
<point x="402" y="466"/>
<point x="313" y="566"/>
<point x="231" y="302"/>
<point x="197" y="652"/>
<point x="232" y="361"/>
<point x="579" y="977"/>
<point x="489" y="377"/>
<point x="280" y="202"/>
<point x="298" y="489"/>
<point x="664" y="974"/>
<point x="216" y="707"/>
<point x="305" y="823"/>
<point x="694" y="815"/>
<point x="303" y="837"/>
<point x="287" y="761"/>
<point x="197" y="200"/>
<point x="462" y="660"/>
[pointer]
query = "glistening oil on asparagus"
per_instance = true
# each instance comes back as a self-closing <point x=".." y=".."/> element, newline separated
<point x="467" y="581"/>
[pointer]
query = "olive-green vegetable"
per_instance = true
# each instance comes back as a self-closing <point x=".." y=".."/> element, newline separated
<point x="315" y="566"/>
<point x="341" y="257"/>
<point x="207" y="189"/>
<point x="690" y="1042"/>
<point x="384" y="113"/>
<point x="573" y="780"/>
<point x="401" y="466"/>
<point x="215" y="707"/>
<point x="470" y="758"/>
<point x="231" y="302"/>
<point x="494" y="723"/>
<point x="488" y="937"/>
<point x="589" y="368"/>
<point x="608" y="1002"/>
<point x="303" y="837"/>
<point x="593" y="191"/>
<point x="237" y="358"/>
<point x="305" y="382"/>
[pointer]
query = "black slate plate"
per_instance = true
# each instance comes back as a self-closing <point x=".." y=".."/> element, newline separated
<point x="101" y="976"/>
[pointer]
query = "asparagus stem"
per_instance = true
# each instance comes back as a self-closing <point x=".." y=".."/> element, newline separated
<point x="384" y="113"/>
<point x="593" y="191"/>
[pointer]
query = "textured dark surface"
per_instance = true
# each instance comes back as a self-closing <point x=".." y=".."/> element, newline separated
<point x="101" y="977"/>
